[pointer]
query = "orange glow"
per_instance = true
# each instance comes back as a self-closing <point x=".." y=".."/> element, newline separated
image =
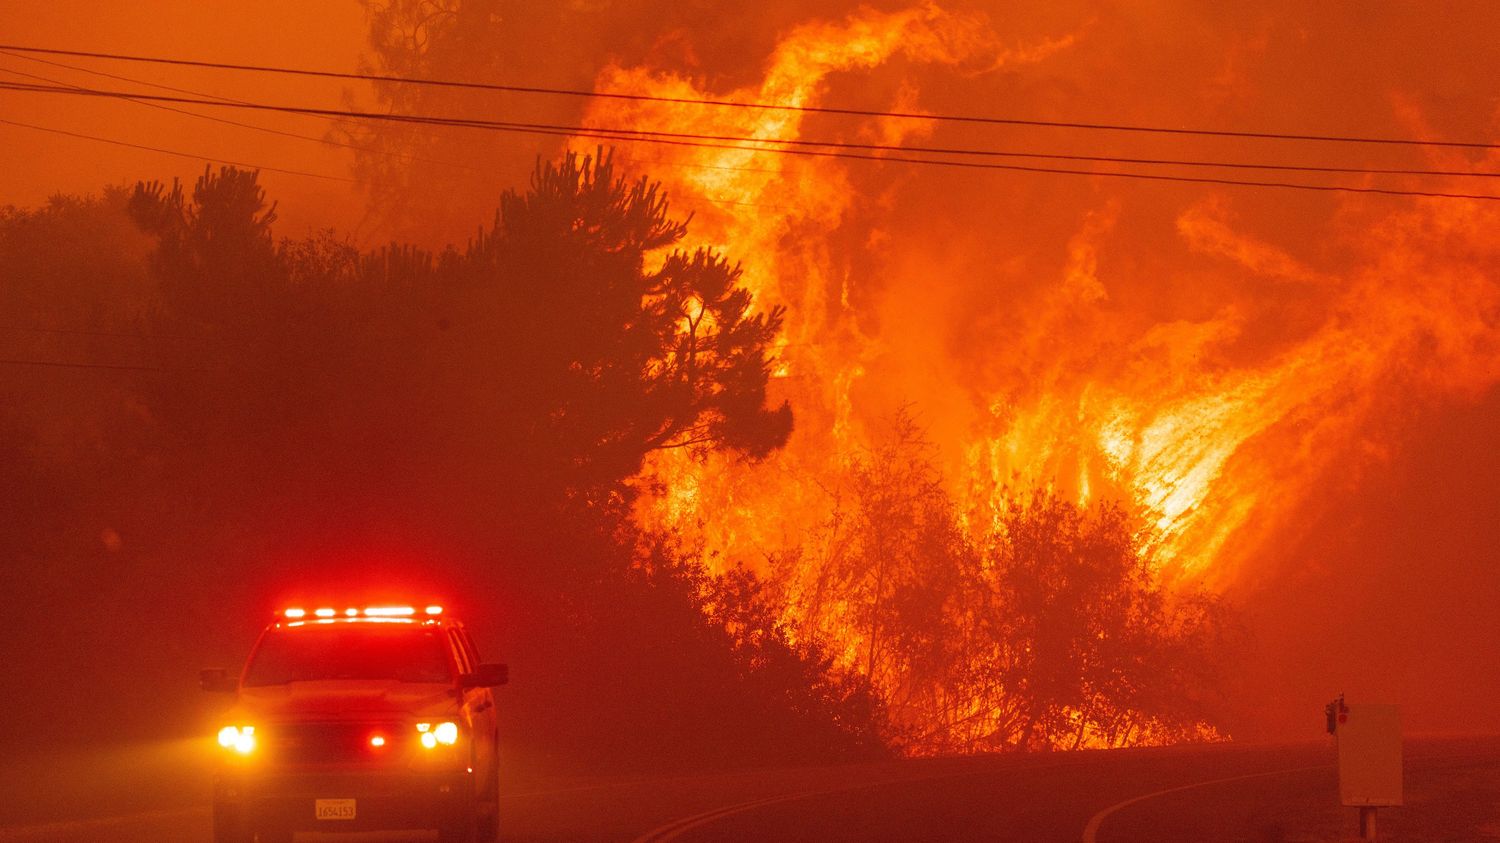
<point x="324" y="613"/>
<point x="434" y="610"/>
<point x="295" y="613"/>
<point x="377" y="741"/>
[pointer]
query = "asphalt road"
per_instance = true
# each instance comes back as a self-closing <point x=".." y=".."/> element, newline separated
<point x="1219" y="793"/>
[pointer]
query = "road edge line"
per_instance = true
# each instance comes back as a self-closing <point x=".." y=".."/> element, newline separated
<point x="674" y="829"/>
<point x="1091" y="830"/>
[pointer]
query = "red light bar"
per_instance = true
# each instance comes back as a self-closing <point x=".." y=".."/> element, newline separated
<point x="389" y="611"/>
<point x="373" y="612"/>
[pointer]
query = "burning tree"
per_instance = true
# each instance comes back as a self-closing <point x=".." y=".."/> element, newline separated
<point x="886" y="579"/>
<point x="1049" y="631"/>
<point x="1091" y="649"/>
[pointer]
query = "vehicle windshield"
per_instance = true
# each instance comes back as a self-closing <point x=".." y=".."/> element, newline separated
<point x="349" y="651"/>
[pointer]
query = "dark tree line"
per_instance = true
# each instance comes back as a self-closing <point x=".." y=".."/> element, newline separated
<point x="548" y="346"/>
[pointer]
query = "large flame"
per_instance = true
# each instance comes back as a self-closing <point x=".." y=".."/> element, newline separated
<point x="778" y="213"/>
<point x="1218" y="442"/>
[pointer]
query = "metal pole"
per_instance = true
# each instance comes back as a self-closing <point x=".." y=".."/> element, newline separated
<point x="1367" y="823"/>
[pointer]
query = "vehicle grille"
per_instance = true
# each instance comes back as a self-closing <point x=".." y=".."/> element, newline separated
<point x="335" y="743"/>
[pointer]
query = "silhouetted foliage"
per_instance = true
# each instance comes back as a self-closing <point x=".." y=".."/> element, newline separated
<point x="607" y="358"/>
<point x="692" y="662"/>
<point x="547" y="354"/>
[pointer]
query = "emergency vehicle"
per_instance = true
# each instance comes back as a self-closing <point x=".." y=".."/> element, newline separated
<point x="358" y="719"/>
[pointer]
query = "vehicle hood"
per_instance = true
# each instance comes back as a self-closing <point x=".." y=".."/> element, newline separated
<point x="344" y="700"/>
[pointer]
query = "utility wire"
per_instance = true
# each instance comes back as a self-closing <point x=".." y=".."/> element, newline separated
<point x="176" y="152"/>
<point x="687" y="139"/>
<point x="859" y="112"/>
<point x="247" y="165"/>
<point x="821" y="144"/>
<point x="321" y="140"/>
<point x="210" y="117"/>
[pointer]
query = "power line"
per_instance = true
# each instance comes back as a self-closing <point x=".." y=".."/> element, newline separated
<point x="839" y="150"/>
<point x="198" y="157"/>
<point x="926" y="150"/>
<point x="283" y="133"/>
<point x="176" y="152"/>
<point x="814" y="109"/>
<point x="1057" y="156"/>
<point x="798" y="142"/>
<point x="353" y="146"/>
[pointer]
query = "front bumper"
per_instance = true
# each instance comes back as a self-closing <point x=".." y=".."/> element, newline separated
<point x="384" y="799"/>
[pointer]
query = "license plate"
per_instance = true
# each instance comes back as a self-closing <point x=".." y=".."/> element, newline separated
<point x="333" y="809"/>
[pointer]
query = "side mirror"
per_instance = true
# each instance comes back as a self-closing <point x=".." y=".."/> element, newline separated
<point x="218" y="680"/>
<point x="486" y="676"/>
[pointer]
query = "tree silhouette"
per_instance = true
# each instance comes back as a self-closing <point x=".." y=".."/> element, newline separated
<point x="216" y="260"/>
<point x="1068" y="582"/>
<point x="542" y="362"/>
<point x="610" y="357"/>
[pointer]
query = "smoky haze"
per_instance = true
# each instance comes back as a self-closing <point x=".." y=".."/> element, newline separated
<point x="1290" y="395"/>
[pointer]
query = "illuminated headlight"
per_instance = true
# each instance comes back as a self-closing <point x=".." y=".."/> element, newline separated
<point x="241" y="739"/>
<point x="445" y="733"/>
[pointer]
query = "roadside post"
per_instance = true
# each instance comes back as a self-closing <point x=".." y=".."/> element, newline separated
<point x="1369" y="750"/>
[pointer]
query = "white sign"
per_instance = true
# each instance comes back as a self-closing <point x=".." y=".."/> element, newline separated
<point x="1369" y="739"/>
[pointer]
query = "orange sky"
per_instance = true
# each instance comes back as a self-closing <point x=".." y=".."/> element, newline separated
<point x="274" y="32"/>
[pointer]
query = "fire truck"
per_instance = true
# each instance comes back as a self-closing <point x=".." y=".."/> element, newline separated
<point x="358" y="718"/>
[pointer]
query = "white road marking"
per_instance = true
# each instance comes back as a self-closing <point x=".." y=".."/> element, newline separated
<point x="1091" y="830"/>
